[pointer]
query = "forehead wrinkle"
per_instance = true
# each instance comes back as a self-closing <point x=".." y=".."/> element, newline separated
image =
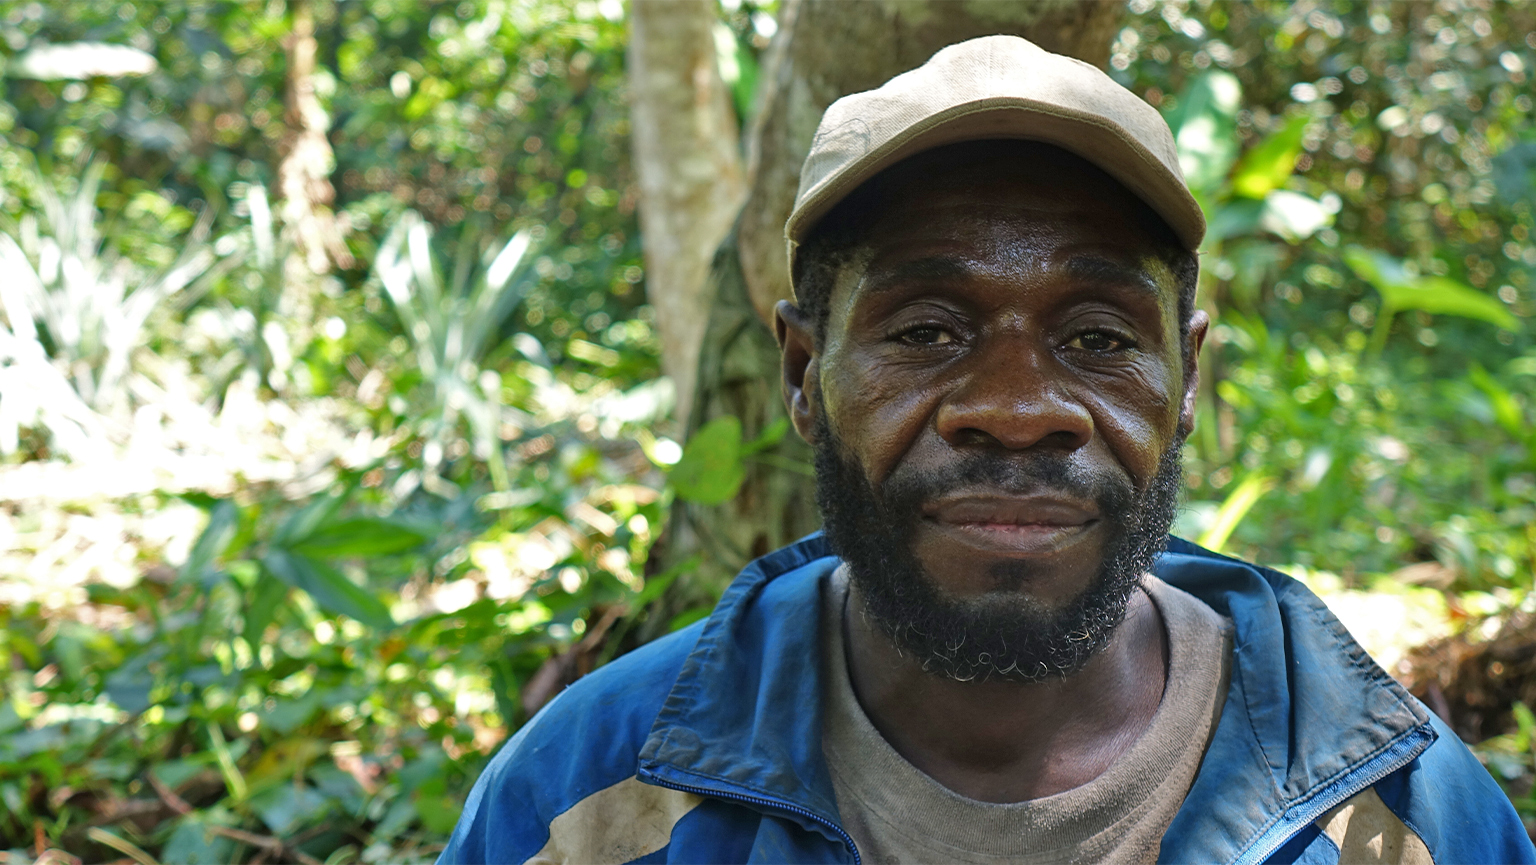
<point x="942" y="268"/>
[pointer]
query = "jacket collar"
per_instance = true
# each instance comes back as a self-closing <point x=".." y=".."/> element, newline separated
<point x="1309" y="719"/>
<point x="743" y="720"/>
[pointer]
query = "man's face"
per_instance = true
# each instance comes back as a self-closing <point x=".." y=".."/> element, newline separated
<point x="997" y="406"/>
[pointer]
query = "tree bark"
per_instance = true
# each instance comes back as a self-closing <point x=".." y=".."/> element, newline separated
<point x="306" y="160"/>
<point x="824" y="50"/>
<point x="688" y="162"/>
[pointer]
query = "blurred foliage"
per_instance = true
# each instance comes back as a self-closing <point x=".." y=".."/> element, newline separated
<point x="1369" y="269"/>
<point x="281" y="592"/>
<point x="472" y="113"/>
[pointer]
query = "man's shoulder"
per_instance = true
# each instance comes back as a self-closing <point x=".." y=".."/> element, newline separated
<point x="613" y="706"/>
<point x="1311" y="718"/>
<point x="619" y="701"/>
<point x="582" y="742"/>
<point x="581" y="752"/>
<point x="1447" y="798"/>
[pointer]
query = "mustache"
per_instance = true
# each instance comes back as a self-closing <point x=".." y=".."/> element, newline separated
<point x="904" y="492"/>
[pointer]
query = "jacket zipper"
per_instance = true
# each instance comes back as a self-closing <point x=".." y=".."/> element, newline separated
<point x="1392" y="763"/>
<point x="767" y="803"/>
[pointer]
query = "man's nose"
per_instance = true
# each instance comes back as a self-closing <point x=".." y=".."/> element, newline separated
<point x="1011" y="395"/>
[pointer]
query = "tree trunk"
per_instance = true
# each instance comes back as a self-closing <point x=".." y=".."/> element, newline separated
<point x="306" y="160"/>
<point x="824" y="49"/>
<point x="688" y="162"/>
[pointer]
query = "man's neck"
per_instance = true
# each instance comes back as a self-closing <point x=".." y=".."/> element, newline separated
<point x="1001" y="741"/>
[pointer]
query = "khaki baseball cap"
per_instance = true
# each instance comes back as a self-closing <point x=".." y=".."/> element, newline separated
<point x="988" y="88"/>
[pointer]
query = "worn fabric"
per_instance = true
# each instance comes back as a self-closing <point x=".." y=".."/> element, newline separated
<point x="994" y="87"/>
<point x="895" y="813"/>
<point x="719" y="726"/>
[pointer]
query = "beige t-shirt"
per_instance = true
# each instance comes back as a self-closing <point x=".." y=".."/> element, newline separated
<point x="895" y="813"/>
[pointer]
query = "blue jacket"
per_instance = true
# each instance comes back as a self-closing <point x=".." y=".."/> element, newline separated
<point x="705" y="746"/>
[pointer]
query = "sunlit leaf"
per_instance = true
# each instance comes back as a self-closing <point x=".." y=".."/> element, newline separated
<point x="1232" y="511"/>
<point x="62" y="61"/>
<point x="1292" y="215"/>
<point x="1205" y="128"/>
<point x="1402" y="290"/>
<point x="1271" y="162"/>
<point x="711" y="471"/>
<point x="1445" y="296"/>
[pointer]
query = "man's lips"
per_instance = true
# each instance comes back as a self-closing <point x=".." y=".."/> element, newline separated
<point x="1020" y="525"/>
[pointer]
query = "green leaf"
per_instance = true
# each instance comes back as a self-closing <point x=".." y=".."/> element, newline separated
<point x="265" y="597"/>
<point x="711" y="469"/>
<point x="192" y="842"/>
<point x="174" y="773"/>
<point x="129" y="685"/>
<point x="287" y="715"/>
<point x="657" y="584"/>
<point x="1271" y="162"/>
<point x="233" y="779"/>
<point x="1526" y="722"/>
<point x="1505" y="409"/>
<point x="1376" y="268"/>
<point x="1445" y="296"/>
<point x="286" y="807"/>
<point x="1232" y="511"/>
<point x="1514" y="172"/>
<point x="329" y="587"/>
<point x="1205" y="128"/>
<point x="1402" y="290"/>
<point x="1234" y="219"/>
<point x="1292" y="215"/>
<point x="770" y="437"/>
<point x="686" y="618"/>
<point x="360" y="537"/>
<point x="438" y="811"/>
<point x="303" y="522"/>
<point x="223" y="519"/>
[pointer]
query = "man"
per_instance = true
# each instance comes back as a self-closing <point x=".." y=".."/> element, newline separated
<point x="989" y="656"/>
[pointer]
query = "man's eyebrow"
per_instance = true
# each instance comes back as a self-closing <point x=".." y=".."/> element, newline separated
<point x="935" y="268"/>
<point x="1093" y="268"/>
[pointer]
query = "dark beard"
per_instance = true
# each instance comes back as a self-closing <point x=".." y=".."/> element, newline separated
<point x="1001" y="634"/>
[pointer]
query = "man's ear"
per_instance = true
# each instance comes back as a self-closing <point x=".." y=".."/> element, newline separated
<point x="1199" y="323"/>
<point x="796" y="333"/>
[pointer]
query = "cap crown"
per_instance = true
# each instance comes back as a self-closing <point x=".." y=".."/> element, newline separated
<point x="987" y="88"/>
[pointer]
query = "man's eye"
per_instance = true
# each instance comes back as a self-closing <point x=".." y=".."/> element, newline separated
<point x="925" y="336"/>
<point x="1098" y="341"/>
